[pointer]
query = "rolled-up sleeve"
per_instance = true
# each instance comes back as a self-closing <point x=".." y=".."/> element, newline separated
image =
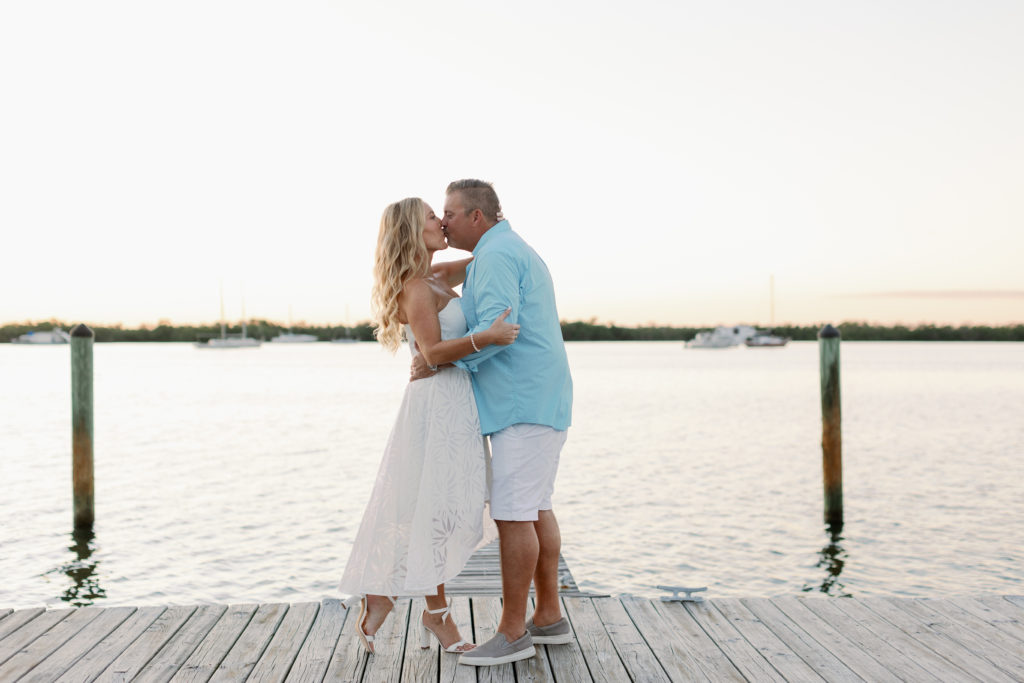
<point x="495" y="282"/>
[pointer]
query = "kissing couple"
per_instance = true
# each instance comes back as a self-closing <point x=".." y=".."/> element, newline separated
<point x="483" y="421"/>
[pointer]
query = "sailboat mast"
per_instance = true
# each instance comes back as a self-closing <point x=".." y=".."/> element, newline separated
<point x="771" y="289"/>
<point x="223" y="326"/>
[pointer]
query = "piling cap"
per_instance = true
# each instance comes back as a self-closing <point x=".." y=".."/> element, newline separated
<point x="828" y="332"/>
<point x="81" y="330"/>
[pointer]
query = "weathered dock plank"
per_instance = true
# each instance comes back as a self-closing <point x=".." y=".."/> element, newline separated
<point x="709" y="657"/>
<point x="451" y="671"/>
<point x="136" y="656"/>
<point x="566" y="661"/>
<point x="34" y="653"/>
<point x="18" y="618"/>
<point x="761" y="638"/>
<point x="666" y="642"/>
<point x="909" y="647"/>
<point x="419" y="664"/>
<point x="902" y="667"/>
<point x="280" y="654"/>
<point x="599" y="652"/>
<point x="845" y="650"/>
<point x="27" y="625"/>
<point x="101" y="655"/>
<point x="315" y="655"/>
<point x="811" y="651"/>
<point x="616" y="639"/>
<point x="64" y="657"/>
<point x="998" y="612"/>
<point x="640" y="662"/>
<point x="948" y="648"/>
<point x="349" y="660"/>
<point x="977" y="636"/>
<point x="186" y="654"/>
<point x="243" y="656"/>
<point x="741" y="653"/>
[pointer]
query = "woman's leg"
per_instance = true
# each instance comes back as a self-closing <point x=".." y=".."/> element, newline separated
<point x="444" y="628"/>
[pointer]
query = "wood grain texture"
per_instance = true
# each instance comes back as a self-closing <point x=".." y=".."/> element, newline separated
<point x="101" y="655"/>
<point x="731" y="642"/>
<point x="598" y="650"/>
<point x="243" y="656"/>
<point x="31" y="626"/>
<point x="16" y="619"/>
<point x="144" y="648"/>
<point x="845" y="650"/>
<point x="315" y="654"/>
<point x="775" y="652"/>
<point x="949" y="649"/>
<point x="811" y="651"/>
<point x="275" y="663"/>
<point x="674" y="652"/>
<point x="34" y="653"/>
<point x="709" y="657"/>
<point x="64" y="657"/>
<point x="901" y="666"/>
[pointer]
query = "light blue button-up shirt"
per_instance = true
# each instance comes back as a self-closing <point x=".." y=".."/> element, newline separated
<point x="529" y="380"/>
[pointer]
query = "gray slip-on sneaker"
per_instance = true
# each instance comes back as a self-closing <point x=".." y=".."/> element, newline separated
<point x="557" y="633"/>
<point x="498" y="650"/>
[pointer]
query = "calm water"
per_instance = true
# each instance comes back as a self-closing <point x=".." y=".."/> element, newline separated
<point x="242" y="474"/>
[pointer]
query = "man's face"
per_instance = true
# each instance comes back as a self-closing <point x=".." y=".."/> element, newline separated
<point x="458" y="227"/>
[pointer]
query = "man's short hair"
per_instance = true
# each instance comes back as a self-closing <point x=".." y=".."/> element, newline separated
<point x="477" y="194"/>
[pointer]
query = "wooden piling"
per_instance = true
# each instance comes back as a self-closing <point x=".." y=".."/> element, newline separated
<point x="831" y="426"/>
<point x="83" y="490"/>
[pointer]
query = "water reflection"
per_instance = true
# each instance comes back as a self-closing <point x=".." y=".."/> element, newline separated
<point x="831" y="558"/>
<point x="85" y="586"/>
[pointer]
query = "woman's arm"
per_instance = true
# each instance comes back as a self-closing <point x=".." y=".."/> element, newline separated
<point x="418" y="304"/>
<point x="451" y="272"/>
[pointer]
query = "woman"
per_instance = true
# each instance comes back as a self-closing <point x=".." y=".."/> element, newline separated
<point x="426" y="514"/>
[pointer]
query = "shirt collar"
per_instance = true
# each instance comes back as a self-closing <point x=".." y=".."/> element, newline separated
<point x="499" y="227"/>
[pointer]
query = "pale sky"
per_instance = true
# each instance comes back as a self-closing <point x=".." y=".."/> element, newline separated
<point x="664" y="158"/>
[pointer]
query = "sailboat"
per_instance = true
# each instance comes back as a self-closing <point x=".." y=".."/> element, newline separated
<point x="226" y="341"/>
<point x="766" y="338"/>
<point x="290" y="338"/>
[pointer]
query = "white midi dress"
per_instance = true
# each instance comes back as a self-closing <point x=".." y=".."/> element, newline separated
<point x="428" y="510"/>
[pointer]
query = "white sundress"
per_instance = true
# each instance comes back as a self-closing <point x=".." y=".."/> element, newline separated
<point x="427" y="513"/>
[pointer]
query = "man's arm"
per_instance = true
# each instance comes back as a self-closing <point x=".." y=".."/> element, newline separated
<point x="495" y="288"/>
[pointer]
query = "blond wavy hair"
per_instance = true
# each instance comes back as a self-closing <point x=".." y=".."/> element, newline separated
<point x="401" y="255"/>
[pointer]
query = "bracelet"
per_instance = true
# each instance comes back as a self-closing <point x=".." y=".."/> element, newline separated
<point x="433" y="368"/>
<point x="473" y="342"/>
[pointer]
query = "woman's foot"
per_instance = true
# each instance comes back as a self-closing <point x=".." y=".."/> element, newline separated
<point x="441" y="624"/>
<point x="374" y="611"/>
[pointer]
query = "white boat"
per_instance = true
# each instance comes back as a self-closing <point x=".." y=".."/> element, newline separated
<point x="721" y="337"/>
<point x="290" y="338"/>
<point x="56" y="336"/>
<point x="766" y="339"/>
<point x="229" y="341"/>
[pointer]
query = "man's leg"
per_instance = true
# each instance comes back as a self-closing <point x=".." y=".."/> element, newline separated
<point x="545" y="578"/>
<point x="518" y="547"/>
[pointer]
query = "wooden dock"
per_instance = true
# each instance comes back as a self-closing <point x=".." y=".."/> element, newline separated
<point x="617" y="639"/>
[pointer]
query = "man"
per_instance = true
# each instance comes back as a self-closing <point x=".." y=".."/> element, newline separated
<point x="524" y="397"/>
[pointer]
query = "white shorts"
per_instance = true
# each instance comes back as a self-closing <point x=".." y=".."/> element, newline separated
<point x="524" y="461"/>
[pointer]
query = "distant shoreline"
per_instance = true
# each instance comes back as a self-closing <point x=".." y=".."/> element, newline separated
<point x="571" y="331"/>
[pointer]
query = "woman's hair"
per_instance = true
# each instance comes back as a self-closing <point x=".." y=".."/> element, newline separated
<point x="401" y="255"/>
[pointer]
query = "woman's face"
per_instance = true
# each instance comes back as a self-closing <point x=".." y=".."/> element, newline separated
<point x="433" y="236"/>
